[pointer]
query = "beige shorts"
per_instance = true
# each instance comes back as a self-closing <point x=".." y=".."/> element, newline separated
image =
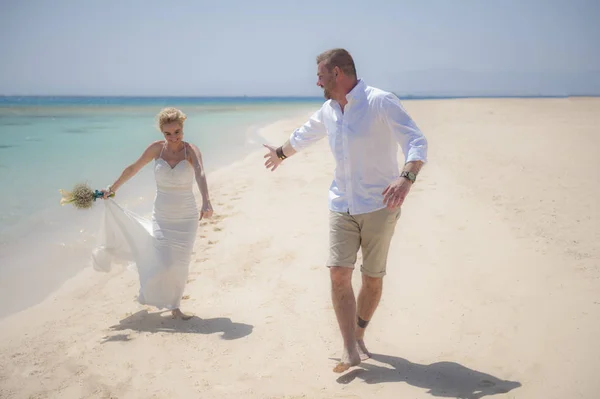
<point x="371" y="232"/>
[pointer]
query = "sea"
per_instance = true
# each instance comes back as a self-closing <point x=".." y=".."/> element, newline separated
<point x="52" y="143"/>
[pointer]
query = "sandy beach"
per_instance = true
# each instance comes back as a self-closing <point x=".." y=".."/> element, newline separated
<point x="492" y="287"/>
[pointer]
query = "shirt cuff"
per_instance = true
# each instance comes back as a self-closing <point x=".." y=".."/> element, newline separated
<point x="416" y="154"/>
<point x="294" y="142"/>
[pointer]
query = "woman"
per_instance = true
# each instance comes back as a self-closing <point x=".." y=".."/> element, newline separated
<point x="161" y="248"/>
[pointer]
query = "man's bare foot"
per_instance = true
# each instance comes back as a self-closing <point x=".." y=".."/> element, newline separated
<point x="362" y="349"/>
<point x="178" y="314"/>
<point x="349" y="359"/>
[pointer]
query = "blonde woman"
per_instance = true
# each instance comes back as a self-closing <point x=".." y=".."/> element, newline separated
<point x="160" y="248"/>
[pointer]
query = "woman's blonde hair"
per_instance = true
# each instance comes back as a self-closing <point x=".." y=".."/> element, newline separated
<point x="168" y="115"/>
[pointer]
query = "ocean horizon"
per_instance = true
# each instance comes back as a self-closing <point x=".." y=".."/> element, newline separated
<point x="166" y="100"/>
<point x="94" y="100"/>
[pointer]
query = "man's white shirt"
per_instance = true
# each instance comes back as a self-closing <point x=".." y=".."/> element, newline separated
<point x="364" y="141"/>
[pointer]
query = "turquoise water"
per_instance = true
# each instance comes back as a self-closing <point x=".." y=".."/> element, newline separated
<point x="52" y="143"/>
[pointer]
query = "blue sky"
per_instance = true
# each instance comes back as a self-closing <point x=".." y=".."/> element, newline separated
<point x="268" y="47"/>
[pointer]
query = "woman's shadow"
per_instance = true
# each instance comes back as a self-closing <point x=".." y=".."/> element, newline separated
<point x="442" y="379"/>
<point x="143" y="321"/>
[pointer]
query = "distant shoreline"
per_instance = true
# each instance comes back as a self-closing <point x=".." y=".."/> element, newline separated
<point x="20" y="101"/>
<point x="150" y="100"/>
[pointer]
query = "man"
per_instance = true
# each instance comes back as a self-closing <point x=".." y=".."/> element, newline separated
<point x="364" y="126"/>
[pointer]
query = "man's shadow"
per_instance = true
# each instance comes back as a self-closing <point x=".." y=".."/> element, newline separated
<point x="143" y="321"/>
<point x="442" y="379"/>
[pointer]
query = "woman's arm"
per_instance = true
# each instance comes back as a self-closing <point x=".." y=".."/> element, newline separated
<point x="148" y="155"/>
<point x="196" y="161"/>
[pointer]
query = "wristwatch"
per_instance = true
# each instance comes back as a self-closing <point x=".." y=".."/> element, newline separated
<point x="409" y="175"/>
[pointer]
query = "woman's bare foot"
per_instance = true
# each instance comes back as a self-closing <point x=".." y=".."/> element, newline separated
<point x="350" y="358"/>
<point x="178" y="314"/>
<point x="362" y="349"/>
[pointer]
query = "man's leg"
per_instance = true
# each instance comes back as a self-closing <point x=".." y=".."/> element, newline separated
<point x="344" y="242"/>
<point x="377" y="230"/>
<point x="368" y="299"/>
<point x="344" y="304"/>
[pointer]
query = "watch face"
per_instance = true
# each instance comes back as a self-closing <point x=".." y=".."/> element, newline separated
<point x="410" y="175"/>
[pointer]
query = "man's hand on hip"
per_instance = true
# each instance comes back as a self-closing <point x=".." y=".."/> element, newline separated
<point x="396" y="192"/>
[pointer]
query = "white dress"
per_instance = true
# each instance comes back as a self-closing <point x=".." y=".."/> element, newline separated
<point x="159" y="249"/>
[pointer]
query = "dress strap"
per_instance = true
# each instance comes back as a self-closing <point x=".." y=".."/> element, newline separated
<point x="185" y="150"/>
<point x="162" y="149"/>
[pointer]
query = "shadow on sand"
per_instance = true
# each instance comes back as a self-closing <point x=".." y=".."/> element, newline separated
<point x="143" y="321"/>
<point x="442" y="379"/>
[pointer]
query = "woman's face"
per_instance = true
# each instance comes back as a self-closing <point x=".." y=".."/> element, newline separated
<point x="173" y="132"/>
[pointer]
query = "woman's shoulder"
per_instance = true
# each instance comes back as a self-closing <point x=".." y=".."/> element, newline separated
<point x="155" y="145"/>
<point x="192" y="147"/>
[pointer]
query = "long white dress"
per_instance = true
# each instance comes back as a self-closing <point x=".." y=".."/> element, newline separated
<point x="161" y="248"/>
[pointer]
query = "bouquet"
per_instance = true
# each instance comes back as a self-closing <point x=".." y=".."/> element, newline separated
<point x="81" y="196"/>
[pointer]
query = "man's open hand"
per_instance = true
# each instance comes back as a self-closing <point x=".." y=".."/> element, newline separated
<point x="273" y="160"/>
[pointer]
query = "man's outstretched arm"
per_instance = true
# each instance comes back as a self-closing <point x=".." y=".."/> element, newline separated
<point x="306" y="135"/>
<point x="276" y="155"/>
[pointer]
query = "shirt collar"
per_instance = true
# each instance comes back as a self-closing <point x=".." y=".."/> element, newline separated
<point x="358" y="92"/>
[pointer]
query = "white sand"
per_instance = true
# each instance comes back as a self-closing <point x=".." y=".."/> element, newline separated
<point x="493" y="280"/>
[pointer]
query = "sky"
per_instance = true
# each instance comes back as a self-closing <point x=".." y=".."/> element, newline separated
<point x="268" y="47"/>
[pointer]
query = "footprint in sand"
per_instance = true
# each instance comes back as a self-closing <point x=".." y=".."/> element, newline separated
<point x="212" y="220"/>
<point x="185" y="297"/>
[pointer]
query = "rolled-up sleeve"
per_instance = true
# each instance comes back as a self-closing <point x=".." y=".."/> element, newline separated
<point x="309" y="133"/>
<point x="405" y="130"/>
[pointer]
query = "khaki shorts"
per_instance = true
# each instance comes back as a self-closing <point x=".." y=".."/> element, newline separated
<point x="371" y="232"/>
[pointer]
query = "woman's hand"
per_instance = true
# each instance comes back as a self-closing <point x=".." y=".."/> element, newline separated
<point x="206" y="211"/>
<point x="107" y="192"/>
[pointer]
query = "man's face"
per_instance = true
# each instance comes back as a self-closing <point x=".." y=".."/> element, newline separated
<point x="326" y="80"/>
